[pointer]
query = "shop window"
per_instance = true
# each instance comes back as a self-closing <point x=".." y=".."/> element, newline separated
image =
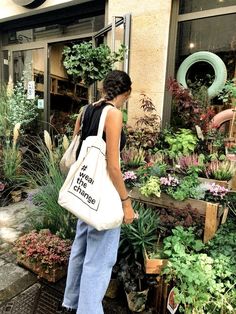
<point x="187" y="6"/>
<point x="215" y="34"/>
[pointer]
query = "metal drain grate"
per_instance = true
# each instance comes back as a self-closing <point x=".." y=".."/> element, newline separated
<point x="24" y="303"/>
<point x="49" y="301"/>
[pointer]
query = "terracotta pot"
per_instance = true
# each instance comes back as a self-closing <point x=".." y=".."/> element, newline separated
<point x="153" y="265"/>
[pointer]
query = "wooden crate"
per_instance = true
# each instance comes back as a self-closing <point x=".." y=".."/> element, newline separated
<point x="153" y="265"/>
<point x="212" y="212"/>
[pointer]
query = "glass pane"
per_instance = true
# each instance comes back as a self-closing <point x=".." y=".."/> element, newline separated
<point x="66" y="96"/>
<point x="215" y="34"/>
<point x="28" y="68"/>
<point x="188" y="6"/>
<point x="76" y="27"/>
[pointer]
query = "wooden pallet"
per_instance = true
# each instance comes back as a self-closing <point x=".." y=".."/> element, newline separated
<point x="213" y="212"/>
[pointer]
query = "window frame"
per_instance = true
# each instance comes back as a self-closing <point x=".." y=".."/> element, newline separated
<point x="177" y="18"/>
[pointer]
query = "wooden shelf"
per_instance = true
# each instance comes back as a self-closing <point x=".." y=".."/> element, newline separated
<point x="213" y="212"/>
<point x="61" y="86"/>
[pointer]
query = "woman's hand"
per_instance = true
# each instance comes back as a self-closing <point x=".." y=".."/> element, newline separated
<point x="129" y="214"/>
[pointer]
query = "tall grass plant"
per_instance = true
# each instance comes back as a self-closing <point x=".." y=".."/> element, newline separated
<point x="48" y="179"/>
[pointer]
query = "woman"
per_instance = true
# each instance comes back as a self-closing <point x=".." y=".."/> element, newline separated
<point x="94" y="252"/>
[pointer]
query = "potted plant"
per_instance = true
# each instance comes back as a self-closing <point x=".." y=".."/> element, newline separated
<point x="131" y="275"/>
<point x="44" y="253"/>
<point x="45" y="200"/>
<point x="145" y="132"/>
<point x="183" y="142"/>
<point x="228" y="95"/>
<point x="89" y="64"/>
<point x="154" y="258"/>
<point x="143" y="232"/>
<point x="12" y="165"/>
<point x="132" y="158"/>
<point x="220" y="172"/>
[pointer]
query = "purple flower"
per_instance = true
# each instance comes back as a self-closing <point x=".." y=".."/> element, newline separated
<point x="218" y="190"/>
<point x="129" y="175"/>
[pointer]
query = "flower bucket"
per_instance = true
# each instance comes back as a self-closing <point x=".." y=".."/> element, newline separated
<point x="137" y="300"/>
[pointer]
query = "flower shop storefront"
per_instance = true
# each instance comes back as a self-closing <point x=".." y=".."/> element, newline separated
<point x="179" y="175"/>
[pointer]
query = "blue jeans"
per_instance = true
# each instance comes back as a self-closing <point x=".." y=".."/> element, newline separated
<point x="92" y="257"/>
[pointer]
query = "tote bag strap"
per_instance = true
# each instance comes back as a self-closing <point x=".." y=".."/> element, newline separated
<point x="82" y="119"/>
<point x="102" y="120"/>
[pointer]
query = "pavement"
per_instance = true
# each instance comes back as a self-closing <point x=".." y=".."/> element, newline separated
<point x="14" y="221"/>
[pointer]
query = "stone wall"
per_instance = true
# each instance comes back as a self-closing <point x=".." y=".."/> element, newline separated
<point x="148" y="51"/>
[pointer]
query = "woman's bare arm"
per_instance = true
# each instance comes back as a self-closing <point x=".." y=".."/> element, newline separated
<point x="113" y="126"/>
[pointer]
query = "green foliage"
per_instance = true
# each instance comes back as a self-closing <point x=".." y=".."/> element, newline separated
<point x="151" y="187"/>
<point x="47" y="213"/>
<point x="90" y="64"/>
<point x="146" y="130"/>
<point x="208" y="269"/>
<point x="11" y="161"/>
<point x="143" y="232"/>
<point x="181" y="242"/>
<point x="220" y="170"/>
<point x="188" y="188"/>
<point x="228" y="93"/>
<point x="182" y="143"/>
<point x="4" y="111"/>
<point x="190" y="164"/>
<point x="21" y="109"/>
<point x="132" y="157"/>
<point x="130" y="274"/>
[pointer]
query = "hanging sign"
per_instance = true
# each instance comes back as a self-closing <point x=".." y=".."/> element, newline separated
<point x="31" y="90"/>
<point x="40" y="104"/>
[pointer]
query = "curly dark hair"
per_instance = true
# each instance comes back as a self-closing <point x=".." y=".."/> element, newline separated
<point x="116" y="83"/>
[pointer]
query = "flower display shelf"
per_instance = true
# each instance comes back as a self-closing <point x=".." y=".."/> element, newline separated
<point x="153" y="265"/>
<point x="213" y="213"/>
<point x="52" y="275"/>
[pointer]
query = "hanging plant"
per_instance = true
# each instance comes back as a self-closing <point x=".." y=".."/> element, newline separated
<point x="90" y="64"/>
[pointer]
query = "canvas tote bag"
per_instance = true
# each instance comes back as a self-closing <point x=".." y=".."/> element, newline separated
<point x="69" y="157"/>
<point x="88" y="191"/>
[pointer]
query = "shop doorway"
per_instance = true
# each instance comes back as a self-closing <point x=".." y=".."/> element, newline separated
<point x="40" y="64"/>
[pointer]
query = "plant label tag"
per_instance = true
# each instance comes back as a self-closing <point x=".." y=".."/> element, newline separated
<point x="199" y="132"/>
<point x="225" y="214"/>
<point x="171" y="305"/>
<point x="40" y="103"/>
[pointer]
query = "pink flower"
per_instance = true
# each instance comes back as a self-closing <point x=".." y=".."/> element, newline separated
<point x="129" y="175"/>
<point x="218" y="190"/>
<point x="169" y="181"/>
